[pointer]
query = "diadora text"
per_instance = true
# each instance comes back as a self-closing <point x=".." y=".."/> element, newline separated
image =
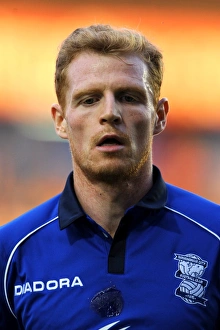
<point x="36" y="286"/>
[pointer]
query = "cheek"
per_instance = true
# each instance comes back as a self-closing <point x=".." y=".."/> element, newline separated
<point x="142" y="123"/>
<point x="74" y="121"/>
<point x="79" y="130"/>
<point x="142" y="135"/>
<point x="74" y="131"/>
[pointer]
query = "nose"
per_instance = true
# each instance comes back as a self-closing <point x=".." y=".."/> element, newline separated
<point x="111" y="111"/>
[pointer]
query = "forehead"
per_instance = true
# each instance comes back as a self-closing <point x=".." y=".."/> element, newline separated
<point x="89" y="68"/>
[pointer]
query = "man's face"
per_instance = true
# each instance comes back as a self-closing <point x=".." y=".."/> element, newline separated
<point x="109" y="116"/>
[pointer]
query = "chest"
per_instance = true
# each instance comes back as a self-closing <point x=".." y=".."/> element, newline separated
<point x="166" y="283"/>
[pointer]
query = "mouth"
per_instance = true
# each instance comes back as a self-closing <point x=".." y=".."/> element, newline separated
<point x="110" y="143"/>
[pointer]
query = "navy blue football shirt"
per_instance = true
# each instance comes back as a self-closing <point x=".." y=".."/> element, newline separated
<point x="60" y="270"/>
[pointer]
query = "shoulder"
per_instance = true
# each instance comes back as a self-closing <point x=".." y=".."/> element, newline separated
<point x="194" y="208"/>
<point x="22" y="226"/>
<point x="188" y="201"/>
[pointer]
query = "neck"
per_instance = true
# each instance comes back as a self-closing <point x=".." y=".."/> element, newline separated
<point x="109" y="201"/>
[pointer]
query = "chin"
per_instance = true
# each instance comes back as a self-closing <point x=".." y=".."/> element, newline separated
<point x="110" y="174"/>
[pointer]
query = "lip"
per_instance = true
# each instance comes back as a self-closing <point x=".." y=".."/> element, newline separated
<point x="110" y="136"/>
<point x="110" y="147"/>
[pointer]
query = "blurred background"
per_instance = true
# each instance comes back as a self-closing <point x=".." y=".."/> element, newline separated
<point x="34" y="163"/>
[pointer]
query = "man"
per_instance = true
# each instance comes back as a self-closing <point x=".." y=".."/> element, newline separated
<point x="119" y="248"/>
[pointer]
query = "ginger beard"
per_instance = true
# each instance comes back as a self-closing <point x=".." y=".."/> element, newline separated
<point x="111" y="168"/>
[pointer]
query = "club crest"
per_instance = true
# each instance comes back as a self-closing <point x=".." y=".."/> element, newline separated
<point x="190" y="270"/>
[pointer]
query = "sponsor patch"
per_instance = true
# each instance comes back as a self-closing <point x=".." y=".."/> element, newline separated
<point x="36" y="286"/>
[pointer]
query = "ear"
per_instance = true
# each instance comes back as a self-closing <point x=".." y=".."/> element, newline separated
<point x="59" y="120"/>
<point x="161" y="116"/>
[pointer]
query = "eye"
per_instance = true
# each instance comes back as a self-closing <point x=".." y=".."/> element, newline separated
<point x="90" y="100"/>
<point x="128" y="99"/>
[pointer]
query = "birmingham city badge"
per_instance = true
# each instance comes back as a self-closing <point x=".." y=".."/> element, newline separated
<point x="190" y="270"/>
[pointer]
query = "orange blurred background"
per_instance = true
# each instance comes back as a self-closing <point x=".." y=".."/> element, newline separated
<point x="34" y="164"/>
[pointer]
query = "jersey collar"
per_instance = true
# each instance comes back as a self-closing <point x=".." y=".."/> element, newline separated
<point x="70" y="209"/>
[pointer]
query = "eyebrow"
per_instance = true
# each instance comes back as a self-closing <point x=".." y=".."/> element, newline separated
<point x="122" y="89"/>
<point x="132" y="89"/>
<point x="77" y="95"/>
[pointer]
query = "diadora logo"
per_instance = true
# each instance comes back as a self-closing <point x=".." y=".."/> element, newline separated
<point x="110" y="326"/>
<point x="29" y="287"/>
<point x="190" y="269"/>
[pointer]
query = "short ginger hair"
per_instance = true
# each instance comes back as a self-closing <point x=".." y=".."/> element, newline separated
<point x="106" y="40"/>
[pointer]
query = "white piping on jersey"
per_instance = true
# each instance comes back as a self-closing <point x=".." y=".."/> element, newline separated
<point x="107" y="327"/>
<point x="194" y="221"/>
<point x="11" y="256"/>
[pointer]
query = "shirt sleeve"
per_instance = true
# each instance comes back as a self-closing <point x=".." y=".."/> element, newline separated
<point x="7" y="319"/>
